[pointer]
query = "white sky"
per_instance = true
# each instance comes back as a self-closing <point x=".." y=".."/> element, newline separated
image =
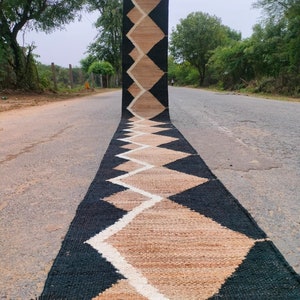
<point x="69" y="46"/>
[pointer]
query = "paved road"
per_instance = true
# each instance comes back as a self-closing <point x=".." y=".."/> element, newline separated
<point x="253" y="146"/>
<point x="48" y="158"/>
<point x="49" y="155"/>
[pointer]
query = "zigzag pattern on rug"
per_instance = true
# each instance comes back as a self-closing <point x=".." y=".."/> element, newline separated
<point x="155" y="222"/>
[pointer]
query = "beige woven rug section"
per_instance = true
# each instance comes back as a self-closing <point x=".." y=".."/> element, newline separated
<point x="165" y="250"/>
<point x="155" y="222"/>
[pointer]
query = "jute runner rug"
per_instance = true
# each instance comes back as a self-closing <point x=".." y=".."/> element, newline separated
<point x="155" y="222"/>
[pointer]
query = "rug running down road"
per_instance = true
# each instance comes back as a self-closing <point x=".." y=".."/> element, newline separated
<point x="155" y="222"/>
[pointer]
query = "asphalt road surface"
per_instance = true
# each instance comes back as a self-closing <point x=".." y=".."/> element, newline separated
<point x="253" y="146"/>
<point x="50" y="154"/>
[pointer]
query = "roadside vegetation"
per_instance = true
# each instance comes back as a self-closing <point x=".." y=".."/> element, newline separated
<point x="203" y="51"/>
<point x="206" y="53"/>
<point x="19" y="66"/>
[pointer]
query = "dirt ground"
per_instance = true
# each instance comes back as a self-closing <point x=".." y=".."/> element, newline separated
<point x="10" y="99"/>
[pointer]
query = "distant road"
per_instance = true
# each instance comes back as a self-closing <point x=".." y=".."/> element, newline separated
<point x="50" y="154"/>
<point x="253" y="146"/>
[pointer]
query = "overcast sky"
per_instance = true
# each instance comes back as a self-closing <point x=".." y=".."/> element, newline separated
<point x="69" y="46"/>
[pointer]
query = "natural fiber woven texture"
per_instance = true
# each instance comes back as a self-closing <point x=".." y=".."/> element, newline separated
<point x="164" y="227"/>
<point x="155" y="222"/>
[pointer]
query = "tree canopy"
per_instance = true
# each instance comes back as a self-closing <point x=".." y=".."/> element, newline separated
<point x="101" y="68"/>
<point x="267" y="61"/>
<point x="196" y="37"/>
<point x="15" y="16"/>
<point x="277" y="9"/>
<point x="107" y="46"/>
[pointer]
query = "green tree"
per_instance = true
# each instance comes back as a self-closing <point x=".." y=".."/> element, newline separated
<point x="15" y="15"/>
<point x="182" y="73"/>
<point x="86" y="63"/>
<point x="284" y="54"/>
<point x="45" y="76"/>
<point x="277" y="9"/>
<point x="270" y="48"/>
<point x="5" y="67"/>
<point x="260" y="57"/>
<point x="292" y="14"/>
<point x="107" y="46"/>
<point x="232" y="66"/>
<point x="268" y="61"/>
<point x="103" y="68"/>
<point x="196" y="37"/>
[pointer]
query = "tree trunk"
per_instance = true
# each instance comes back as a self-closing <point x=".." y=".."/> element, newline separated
<point x="202" y="72"/>
<point x="19" y="63"/>
<point x="23" y="66"/>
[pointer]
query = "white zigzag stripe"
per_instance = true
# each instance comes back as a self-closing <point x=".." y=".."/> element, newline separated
<point x="141" y="54"/>
<point x="98" y="242"/>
